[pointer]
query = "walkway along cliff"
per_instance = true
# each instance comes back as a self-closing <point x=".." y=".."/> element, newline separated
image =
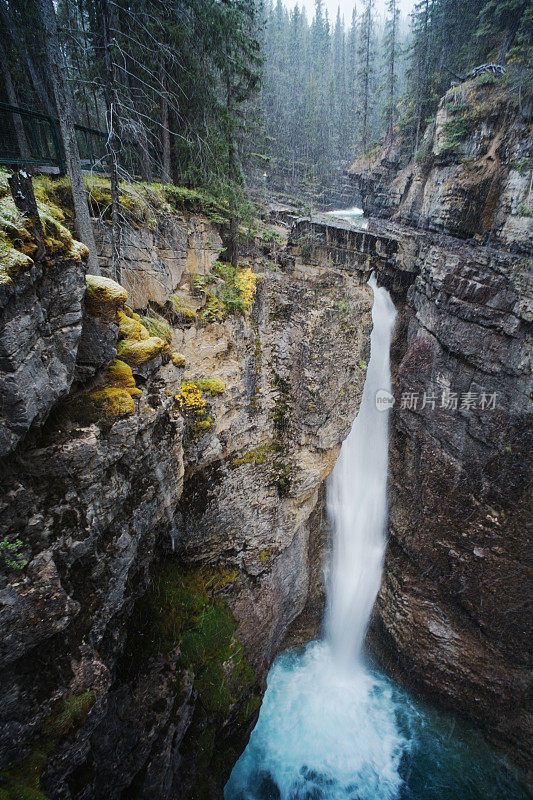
<point x="164" y="451"/>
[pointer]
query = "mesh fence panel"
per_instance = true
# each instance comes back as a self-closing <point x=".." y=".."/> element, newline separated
<point x="30" y="138"/>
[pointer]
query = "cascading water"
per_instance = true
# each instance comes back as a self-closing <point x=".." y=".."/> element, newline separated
<point x="332" y="727"/>
<point x="357" y="498"/>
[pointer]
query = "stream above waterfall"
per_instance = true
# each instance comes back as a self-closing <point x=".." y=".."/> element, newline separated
<point x="332" y="726"/>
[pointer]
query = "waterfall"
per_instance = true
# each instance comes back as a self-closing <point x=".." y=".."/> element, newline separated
<point x="333" y="727"/>
<point x="327" y="727"/>
<point x="357" y="498"/>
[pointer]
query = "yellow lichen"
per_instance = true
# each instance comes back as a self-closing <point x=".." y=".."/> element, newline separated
<point x="119" y="374"/>
<point x="108" y="403"/>
<point x="136" y="353"/>
<point x="178" y="360"/>
<point x="18" y="243"/>
<point x="157" y="327"/>
<point x="179" y="312"/>
<point x="129" y="328"/>
<point x="190" y="399"/>
<point x="104" y="296"/>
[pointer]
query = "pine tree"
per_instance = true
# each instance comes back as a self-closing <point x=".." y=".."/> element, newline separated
<point x="366" y="75"/>
<point x="391" y="65"/>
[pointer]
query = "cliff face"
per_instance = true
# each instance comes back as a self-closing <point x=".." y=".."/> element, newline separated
<point x="471" y="176"/>
<point x="166" y="500"/>
<point x="451" y="616"/>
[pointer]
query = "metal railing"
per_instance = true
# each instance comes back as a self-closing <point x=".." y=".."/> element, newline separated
<point x="31" y="138"/>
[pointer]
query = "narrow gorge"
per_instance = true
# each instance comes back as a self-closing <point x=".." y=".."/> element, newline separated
<point x="166" y="443"/>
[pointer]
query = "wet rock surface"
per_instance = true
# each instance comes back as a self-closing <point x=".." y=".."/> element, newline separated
<point x="169" y="553"/>
<point x="451" y="618"/>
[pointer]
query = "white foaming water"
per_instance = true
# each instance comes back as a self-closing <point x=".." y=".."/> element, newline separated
<point x="348" y="212"/>
<point x="323" y="732"/>
<point x="354" y="215"/>
<point x="357" y="499"/>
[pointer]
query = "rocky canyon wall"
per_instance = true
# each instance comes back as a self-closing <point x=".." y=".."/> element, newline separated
<point x="452" y="615"/>
<point x="159" y="504"/>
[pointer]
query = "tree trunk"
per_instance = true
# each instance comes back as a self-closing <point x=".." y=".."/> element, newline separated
<point x="509" y="39"/>
<point x="13" y="100"/>
<point x="68" y="134"/>
<point x="232" y="251"/>
<point x="113" y="141"/>
<point x="24" y="199"/>
<point x="165" y="133"/>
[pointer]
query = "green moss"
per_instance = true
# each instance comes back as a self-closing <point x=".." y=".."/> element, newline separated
<point x="256" y="456"/>
<point x="119" y="374"/>
<point x="178" y="359"/>
<point x="201" y="426"/>
<point x="10" y="554"/>
<point x="136" y="353"/>
<point x="180" y="313"/>
<point x="280" y="413"/>
<point x="22" y="781"/>
<point x="109" y="404"/>
<point x="104" y="297"/>
<point x="264" y="555"/>
<point x="182" y="199"/>
<point x="524" y="211"/>
<point x="456" y="130"/>
<point x="156" y="326"/>
<point x="211" y="386"/>
<point x="362" y="364"/>
<point x="522" y="165"/>
<point x="139" y="201"/>
<point x="187" y="610"/>
<point x="111" y="401"/>
<point x="130" y="328"/>
<point x="17" y="241"/>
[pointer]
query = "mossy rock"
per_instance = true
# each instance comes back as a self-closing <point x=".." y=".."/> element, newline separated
<point x="211" y="386"/>
<point x="18" y="244"/>
<point x="178" y="359"/>
<point x="136" y="353"/>
<point x="157" y="327"/>
<point x="22" y="781"/>
<point x="107" y="404"/>
<point x="201" y="426"/>
<point x="258" y="455"/>
<point x="185" y="608"/>
<point x="104" y="297"/>
<point x="179" y="312"/>
<point x="130" y="328"/>
<point x="119" y="374"/>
